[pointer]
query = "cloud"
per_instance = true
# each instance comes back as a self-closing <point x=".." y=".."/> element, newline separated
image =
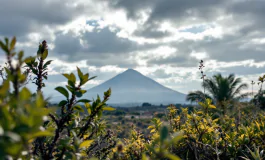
<point x="30" y="15"/>
<point x="99" y="47"/>
<point x="162" y="39"/>
<point x="151" y="31"/>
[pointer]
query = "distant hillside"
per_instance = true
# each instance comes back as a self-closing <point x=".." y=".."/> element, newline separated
<point x="133" y="87"/>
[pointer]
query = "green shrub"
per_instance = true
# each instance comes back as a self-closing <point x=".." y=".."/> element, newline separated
<point x="33" y="129"/>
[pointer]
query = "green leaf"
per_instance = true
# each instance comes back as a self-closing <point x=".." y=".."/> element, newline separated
<point x="22" y="78"/>
<point x="35" y="64"/>
<point x="63" y="91"/>
<point x="29" y="60"/>
<point x="83" y="91"/>
<point x="39" y="100"/>
<point x="47" y="63"/>
<point x="20" y="55"/>
<point x="41" y="134"/>
<point x="85" y="79"/>
<point x="4" y="88"/>
<point x="4" y="47"/>
<point x="71" y="83"/>
<point x="78" y="94"/>
<point x="25" y="94"/>
<point x="80" y="74"/>
<point x="85" y="144"/>
<point x="177" y="136"/>
<point x="83" y="100"/>
<point x="99" y="114"/>
<point x="79" y="108"/>
<point x="107" y="93"/>
<point x="13" y="43"/>
<point x="72" y="78"/>
<point x="108" y="109"/>
<point x="163" y="133"/>
<point x="172" y="156"/>
<point x="92" y="78"/>
<point x="44" y="54"/>
<point x="62" y="103"/>
<point x="70" y="88"/>
<point x="66" y="75"/>
<point x="86" y="76"/>
<point x="144" y="157"/>
<point x="35" y="71"/>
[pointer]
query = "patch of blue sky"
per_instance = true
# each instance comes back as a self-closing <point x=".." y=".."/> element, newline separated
<point x="92" y="23"/>
<point x="196" y="29"/>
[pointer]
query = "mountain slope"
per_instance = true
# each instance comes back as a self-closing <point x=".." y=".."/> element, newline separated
<point x="133" y="87"/>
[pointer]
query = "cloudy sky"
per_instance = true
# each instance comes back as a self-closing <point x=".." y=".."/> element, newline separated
<point x="162" y="39"/>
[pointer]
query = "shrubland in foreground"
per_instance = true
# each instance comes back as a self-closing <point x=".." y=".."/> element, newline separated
<point x="221" y="127"/>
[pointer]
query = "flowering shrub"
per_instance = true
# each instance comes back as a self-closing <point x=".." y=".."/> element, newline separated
<point x="224" y="137"/>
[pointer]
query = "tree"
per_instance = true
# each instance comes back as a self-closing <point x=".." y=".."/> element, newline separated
<point x="146" y="104"/>
<point x="197" y="96"/>
<point x="220" y="89"/>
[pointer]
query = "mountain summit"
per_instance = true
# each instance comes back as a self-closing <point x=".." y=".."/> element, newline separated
<point x="133" y="87"/>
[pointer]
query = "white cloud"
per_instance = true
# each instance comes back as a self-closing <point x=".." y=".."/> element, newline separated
<point x="199" y="55"/>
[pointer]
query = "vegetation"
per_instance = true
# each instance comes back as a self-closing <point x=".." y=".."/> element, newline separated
<point x="220" y="90"/>
<point x="78" y="128"/>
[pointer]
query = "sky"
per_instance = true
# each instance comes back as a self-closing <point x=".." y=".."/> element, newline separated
<point x="162" y="39"/>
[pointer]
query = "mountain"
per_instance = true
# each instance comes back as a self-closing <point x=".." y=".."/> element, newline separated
<point x="132" y="87"/>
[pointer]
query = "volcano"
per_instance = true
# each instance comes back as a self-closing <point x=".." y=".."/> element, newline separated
<point x="131" y="87"/>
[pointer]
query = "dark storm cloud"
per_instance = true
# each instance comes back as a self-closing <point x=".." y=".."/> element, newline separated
<point x="150" y="31"/>
<point x="253" y="8"/>
<point x="101" y="47"/>
<point x="131" y="6"/>
<point x="229" y="48"/>
<point x="168" y="8"/>
<point x="176" y="10"/>
<point x="244" y="70"/>
<point x="98" y="43"/>
<point x="67" y="44"/>
<point x="21" y="17"/>
<point x="184" y="9"/>
<point x="106" y="41"/>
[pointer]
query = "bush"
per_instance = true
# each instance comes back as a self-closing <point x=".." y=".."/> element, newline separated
<point x="235" y="136"/>
<point x="33" y="129"/>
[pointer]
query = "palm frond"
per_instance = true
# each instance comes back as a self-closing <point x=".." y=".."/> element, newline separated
<point x="239" y="89"/>
<point x="197" y="96"/>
